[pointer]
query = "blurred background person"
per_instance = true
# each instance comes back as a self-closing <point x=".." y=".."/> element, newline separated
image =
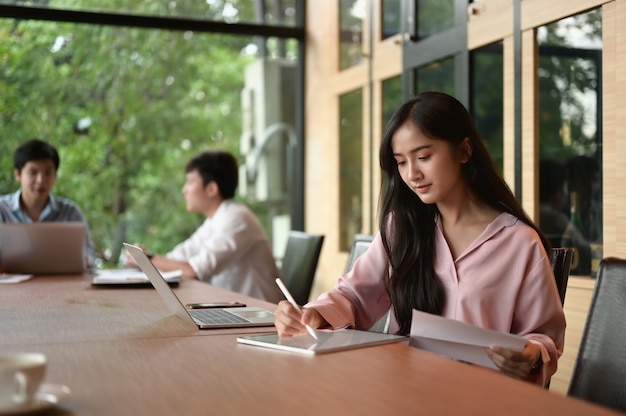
<point x="230" y="249"/>
<point x="35" y="167"/>
<point x="553" y="219"/>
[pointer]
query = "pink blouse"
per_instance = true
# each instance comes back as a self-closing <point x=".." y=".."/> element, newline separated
<point x="502" y="281"/>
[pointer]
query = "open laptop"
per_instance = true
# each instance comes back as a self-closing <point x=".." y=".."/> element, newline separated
<point x="42" y="248"/>
<point x="202" y="318"/>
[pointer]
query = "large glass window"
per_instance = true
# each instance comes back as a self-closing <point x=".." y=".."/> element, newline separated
<point x="350" y="166"/>
<point x="391" y="18"/>
<point x="434" y="16"/>
<point x="127" y="107"/>
<point x="436" y="76"/>
<point x="570" y="136"/>
<point x="434" y="51"/>
<point x="351" y="16"/>
<point x="487" y="99"/>
<point x="268" y="12"/>
<point x="392" y="98"/>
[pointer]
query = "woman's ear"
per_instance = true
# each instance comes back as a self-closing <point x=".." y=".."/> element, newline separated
<point x="465" y="150"/>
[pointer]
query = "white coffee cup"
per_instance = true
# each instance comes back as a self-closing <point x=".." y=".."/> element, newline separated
<point x="21" y="375"/>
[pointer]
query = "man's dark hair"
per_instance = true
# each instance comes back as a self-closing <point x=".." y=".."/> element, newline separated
<point x="35" y="149"/>
<point x="218" y="166"/>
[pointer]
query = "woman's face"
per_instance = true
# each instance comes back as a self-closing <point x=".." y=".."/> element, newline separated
<point x="430" y="168"/>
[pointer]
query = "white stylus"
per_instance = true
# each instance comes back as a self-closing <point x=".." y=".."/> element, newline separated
<point x="291" y="300"/>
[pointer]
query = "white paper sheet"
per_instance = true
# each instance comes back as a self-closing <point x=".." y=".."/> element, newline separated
<point x="14" y="278"/>
<point x="459" y="340"/>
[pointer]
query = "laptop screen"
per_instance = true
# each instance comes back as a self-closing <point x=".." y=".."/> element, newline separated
<point x="43" y="248"/>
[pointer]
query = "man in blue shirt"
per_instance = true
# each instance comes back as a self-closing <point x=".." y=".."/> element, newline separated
<point x="35" y="166"/>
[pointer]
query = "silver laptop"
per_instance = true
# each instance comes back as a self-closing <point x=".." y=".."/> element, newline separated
<point x="202" y="318"/>
<point x="42" y="248"/>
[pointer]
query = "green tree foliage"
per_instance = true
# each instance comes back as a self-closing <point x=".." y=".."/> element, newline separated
<point x="230" y="11"/>
<point x="351" y="165"/>
<point x="569" y="58"/>
<point x="434" y="17"/>
<point x="487" y="100"/>
<point x="126" y="108"/>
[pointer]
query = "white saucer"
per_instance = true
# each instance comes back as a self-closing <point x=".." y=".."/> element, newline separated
<point x="49" y="395"/>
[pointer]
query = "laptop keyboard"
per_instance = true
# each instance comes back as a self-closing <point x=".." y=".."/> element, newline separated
<point x="216" y="316"/>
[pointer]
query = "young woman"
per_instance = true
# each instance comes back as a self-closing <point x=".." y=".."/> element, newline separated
<point x="453" y="241"/>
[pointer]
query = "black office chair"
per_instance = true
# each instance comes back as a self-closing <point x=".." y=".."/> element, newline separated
<point x="600" y="369"/>
<point x="561" y="261"/>
<point x="299" y="263"/>
<point x="360" y="243"/>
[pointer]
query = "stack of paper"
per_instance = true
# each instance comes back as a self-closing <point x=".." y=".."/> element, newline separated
<point x="130" y="276"/>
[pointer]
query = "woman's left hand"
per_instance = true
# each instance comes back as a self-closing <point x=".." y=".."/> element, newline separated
<point x="515" y="363"/>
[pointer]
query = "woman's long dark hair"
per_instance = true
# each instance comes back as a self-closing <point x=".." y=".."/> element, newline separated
<point x="407" y="225"/>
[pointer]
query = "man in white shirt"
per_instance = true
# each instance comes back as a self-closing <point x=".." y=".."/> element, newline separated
<point x="230" y="249"/>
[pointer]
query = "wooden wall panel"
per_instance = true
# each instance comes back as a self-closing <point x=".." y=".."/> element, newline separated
<point x="509" y="111"/>
<point x="529" y="123"/>
<point x="366" y="164"/>
<point x="615" y="122"/>
<point x="489" y="21"/>
<point x="322" y="132"/>
<point x="387" y="58"/>
<point x="348" y="80"/>
<point x="609" y="128"/>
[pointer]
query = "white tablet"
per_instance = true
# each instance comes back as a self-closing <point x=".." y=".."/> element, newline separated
<point x="328" y="341"/>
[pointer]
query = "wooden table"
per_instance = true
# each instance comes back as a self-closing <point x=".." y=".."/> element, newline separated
<point x="68" y="309"/>
<point x="156" y="367"/>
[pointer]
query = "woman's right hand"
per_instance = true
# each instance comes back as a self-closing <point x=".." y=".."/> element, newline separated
<point x="290" y="321"/>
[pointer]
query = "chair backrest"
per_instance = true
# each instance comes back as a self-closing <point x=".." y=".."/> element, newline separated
<point x="360" y="243"/>
<point x="600" y="368"/>
<point x="300" y="262"/>
<point x="561" y="263"/>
